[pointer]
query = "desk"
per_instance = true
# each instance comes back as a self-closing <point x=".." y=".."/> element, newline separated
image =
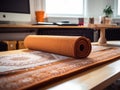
<point x="93" y="79"/>
<point x="38" y="26"/>
<point x="102" y="40"/>
<point x="46" y="30"/>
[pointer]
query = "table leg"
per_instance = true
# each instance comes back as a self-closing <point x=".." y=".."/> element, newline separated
<point x="102" y="40"/>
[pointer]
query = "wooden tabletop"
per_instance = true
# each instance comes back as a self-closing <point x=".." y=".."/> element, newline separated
<point x="93" y="79"/>
<point x="37" y="26"/>
<point x="98" y="26"/>
<point x="56" y="26"/>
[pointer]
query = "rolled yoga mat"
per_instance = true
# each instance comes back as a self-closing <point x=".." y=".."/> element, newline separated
<point x="74" y="46"/>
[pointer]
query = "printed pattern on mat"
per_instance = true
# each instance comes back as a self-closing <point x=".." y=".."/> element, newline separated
<point x="31" y="59"/>
<point x="27" y="60"/>
<point x="56" y="69"/>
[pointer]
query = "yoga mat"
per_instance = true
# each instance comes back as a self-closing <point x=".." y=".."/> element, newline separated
<point x="45" y="74"/>
<point x="74" y="46"/>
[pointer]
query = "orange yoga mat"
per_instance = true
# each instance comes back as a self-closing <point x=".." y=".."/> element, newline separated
<point x="74" y="46"/>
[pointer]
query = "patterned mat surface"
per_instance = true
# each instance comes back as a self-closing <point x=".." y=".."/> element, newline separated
<point x="24" y="60"/>
<point x="29" y="69"/>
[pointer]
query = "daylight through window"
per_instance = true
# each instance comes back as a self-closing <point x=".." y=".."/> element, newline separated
<point x="64" y="7"/>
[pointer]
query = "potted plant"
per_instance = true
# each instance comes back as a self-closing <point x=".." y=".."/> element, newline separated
<point x="108" y="13"/>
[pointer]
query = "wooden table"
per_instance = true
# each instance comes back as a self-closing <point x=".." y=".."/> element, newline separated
<point x="93" y="79"/>
<point x="102" y="27"/>
<point x="96" y="78"/>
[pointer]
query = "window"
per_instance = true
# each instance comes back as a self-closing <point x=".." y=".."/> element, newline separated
<point x="64" y="7"/>
<point x="118" y="8"/>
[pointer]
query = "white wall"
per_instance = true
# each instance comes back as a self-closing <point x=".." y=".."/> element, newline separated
<point x="94" y="8"/>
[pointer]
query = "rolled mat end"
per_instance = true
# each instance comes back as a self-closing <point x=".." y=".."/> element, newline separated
<point x="82" y="47"/>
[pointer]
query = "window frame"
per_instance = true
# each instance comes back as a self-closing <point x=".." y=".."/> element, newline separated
<point x="117" y="8"/>
<point x="116" y="15"/>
